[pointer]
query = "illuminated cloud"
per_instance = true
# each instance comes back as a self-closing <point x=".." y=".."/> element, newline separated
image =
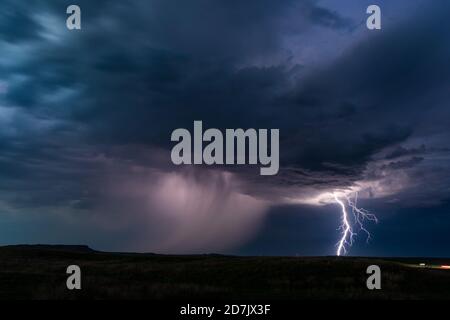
<point x="188" y="211"/>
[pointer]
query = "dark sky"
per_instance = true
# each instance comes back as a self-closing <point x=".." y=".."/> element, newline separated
<point x="86" y="118"/>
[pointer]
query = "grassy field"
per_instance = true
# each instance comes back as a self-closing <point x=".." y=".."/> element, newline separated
<point x="39" y="272"/>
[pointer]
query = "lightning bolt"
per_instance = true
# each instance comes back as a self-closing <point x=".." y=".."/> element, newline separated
<point x="351" y="225"/>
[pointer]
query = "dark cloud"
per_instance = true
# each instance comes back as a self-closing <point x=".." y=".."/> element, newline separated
<point x="402" y="164"/>
<point x="401" y="151"/>
<point x="16" y="22"/>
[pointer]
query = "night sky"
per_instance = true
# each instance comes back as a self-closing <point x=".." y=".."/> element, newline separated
<point x="86" y="117"/>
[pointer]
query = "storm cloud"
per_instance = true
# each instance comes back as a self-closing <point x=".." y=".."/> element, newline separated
<point x="86" y="115"/>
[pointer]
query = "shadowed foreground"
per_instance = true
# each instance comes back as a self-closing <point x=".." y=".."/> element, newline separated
<point x="39" y="272"/>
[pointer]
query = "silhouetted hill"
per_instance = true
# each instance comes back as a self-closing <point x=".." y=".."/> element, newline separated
<point x="50" y="247"/>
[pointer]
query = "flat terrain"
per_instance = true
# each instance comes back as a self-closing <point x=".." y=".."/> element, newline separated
<point x="39" y="272"/>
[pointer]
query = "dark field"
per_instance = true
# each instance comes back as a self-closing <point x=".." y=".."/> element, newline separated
<point x="39" y="272"/>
